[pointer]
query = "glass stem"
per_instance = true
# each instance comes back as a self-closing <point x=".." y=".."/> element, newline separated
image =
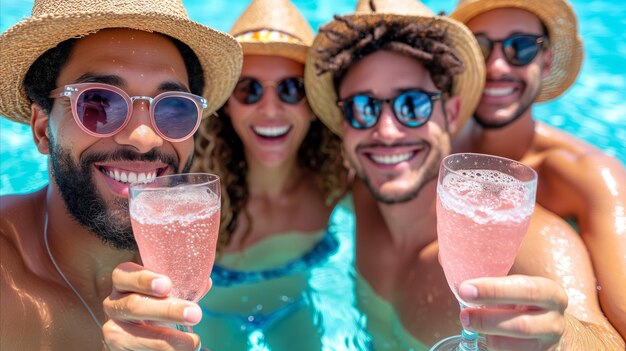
<point x="469" y="339"/>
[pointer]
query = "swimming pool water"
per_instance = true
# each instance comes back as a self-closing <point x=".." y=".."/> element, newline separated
<point x="592" y="109"/>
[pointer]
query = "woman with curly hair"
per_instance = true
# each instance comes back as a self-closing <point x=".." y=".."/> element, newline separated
<point x="282" y="174"/>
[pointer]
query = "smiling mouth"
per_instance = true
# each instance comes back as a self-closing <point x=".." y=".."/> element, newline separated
<point x="497" y="92"/>
<point x="271" y="132"/>
<point x="127" y="177"/>
<point x="392" y="159"/>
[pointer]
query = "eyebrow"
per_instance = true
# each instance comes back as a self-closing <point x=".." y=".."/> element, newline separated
<point x="118" y="81"/>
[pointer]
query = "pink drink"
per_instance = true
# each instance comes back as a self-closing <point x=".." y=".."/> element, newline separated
<point x="480" y="223"/>
<point x="176" y="232"/>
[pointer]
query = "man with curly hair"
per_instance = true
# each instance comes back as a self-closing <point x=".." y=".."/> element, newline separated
<point x="396" y="82"/>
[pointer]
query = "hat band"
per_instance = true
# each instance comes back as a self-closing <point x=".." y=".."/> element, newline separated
<point x="267" y="36"/>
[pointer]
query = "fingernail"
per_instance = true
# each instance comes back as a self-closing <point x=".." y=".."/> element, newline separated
<point x="192" y="314"/>
<point x="465" y="319"/>
<point x="468" y="291"/>
<point x="160" y="286"/>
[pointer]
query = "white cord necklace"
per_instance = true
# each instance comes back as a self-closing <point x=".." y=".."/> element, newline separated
<point x="45" y="240"/>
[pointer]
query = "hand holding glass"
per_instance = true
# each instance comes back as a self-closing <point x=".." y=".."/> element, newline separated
<point x="176" y="222"/>
<point x="484" y="205"/>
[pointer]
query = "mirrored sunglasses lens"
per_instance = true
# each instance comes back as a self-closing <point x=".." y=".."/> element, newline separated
<point x="365" y="112"/>
<point x="485" y="46"/>
<point x="101" y="111"/>
<point x="521" y="50"/>
<point x="413" y="108"/>
<point x="248" y="91"/>
<point x="291" y="90"/>
<point x="176" y="117"/>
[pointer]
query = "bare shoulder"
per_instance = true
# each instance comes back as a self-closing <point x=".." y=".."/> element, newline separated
<point x="552" y="249"/>
<point x="23" y="308"/>
<point x="19" y="214"/>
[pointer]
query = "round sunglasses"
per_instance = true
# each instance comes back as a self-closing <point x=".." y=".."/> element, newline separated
<point x="411" y="108"/>
<point x="249" y="91"/>
<point x="103" y="110"/>
<point x="518" y="49"/>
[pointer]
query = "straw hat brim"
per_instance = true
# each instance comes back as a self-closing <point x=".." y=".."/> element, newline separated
<point x="292" y="51"/>
<point x="219" y="54"/>
<point x="560" y="20"/>
<point x="321" y="92"/>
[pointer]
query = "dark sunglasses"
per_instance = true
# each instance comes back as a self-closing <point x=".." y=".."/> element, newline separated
<point x="103" y="110"/>
<point x="250" y="90"/>
<point x="518" y="49"/>
<point x="411" y="108"/>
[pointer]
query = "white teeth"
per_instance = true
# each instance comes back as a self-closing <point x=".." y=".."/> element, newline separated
<point x="130" y="177"/>
<point x="392" y="159"/>
<point x="498" y="91"/>
<point x="271" y="131"/>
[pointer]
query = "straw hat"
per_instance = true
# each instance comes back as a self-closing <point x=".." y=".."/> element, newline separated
<point x="54" y="21"/>
<point x="273" y="28"/>
<point x="320" y="89"/>
<point x="559" y="18"/>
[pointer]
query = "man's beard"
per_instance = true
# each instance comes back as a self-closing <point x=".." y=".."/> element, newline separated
<point x="109" y="223"/>
<point x="430" y="172"/>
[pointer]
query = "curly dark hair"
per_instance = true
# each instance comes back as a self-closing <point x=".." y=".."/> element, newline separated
<point x="42" y="75"/>
<point x="424" y="42"/>
<point x="219" y="150"/>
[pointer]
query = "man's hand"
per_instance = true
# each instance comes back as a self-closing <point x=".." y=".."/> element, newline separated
<point x="520" y="312"/>
<point x="139" y="312"/>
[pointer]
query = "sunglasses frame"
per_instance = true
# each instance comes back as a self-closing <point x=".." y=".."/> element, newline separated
<point x="432" y="96"/>
<point x="539" y="39"/>
<point x="273" y="84"/>
<point x="74" y="91"/>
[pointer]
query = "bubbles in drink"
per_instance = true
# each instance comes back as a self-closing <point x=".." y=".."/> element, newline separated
<point x="176" y="231"/>
<point x="486" y="195"/>
<point x="482" y="216"/>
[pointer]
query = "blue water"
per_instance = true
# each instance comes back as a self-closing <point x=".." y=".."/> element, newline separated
<point x="593" y="109"/>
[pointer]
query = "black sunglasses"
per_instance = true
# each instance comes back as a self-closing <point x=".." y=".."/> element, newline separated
<point x="250" y="90"/>
<point x="518" y="49"/>
<point x="412" y="108"/>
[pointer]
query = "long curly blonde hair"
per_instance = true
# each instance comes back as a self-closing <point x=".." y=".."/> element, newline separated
<point x="219" y="150"/>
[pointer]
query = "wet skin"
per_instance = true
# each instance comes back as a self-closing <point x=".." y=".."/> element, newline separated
<point x="576" y="180"/>
<point x="534" y="311"/>
<point x="38" y="310"/>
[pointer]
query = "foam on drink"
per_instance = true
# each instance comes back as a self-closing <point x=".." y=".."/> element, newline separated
<point x="482" y="216"/>
<point x="176" y="232"/>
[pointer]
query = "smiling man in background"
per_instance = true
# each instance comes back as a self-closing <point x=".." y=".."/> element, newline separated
<point x="533" y="53"/>
<point x="92" y="92"/>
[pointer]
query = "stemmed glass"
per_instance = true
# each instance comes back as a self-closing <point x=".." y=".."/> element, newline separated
<point x="484" y="205"/>
<point x="176" y="222"/>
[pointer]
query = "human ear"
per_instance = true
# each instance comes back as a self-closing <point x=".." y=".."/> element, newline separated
<point x="39" y="128"/>
<point x="546" y="61"/>
<point x="452" y="107"/>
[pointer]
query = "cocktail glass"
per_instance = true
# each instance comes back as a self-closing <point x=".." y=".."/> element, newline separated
<point x="484" y="205"/>
<point x="176" y="222"/>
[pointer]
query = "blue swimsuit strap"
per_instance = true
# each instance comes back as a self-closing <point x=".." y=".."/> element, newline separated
<point x="323" y="249"/>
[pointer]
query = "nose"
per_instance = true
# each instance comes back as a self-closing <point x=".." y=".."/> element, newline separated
<point x="496" y="64"/>
<point x="270" y="104"/>
<point x="388" y="129"/>
<point x="139" y="132"/>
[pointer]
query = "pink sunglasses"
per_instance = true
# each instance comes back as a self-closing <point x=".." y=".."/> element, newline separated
<point x="103" y="110"/>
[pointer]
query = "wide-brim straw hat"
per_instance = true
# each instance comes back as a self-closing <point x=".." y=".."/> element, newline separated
<point x="273" y="28"/>
<point x="559" y="18"/>
<point x="54" y="21"/>
<point x="320" y="89"/>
